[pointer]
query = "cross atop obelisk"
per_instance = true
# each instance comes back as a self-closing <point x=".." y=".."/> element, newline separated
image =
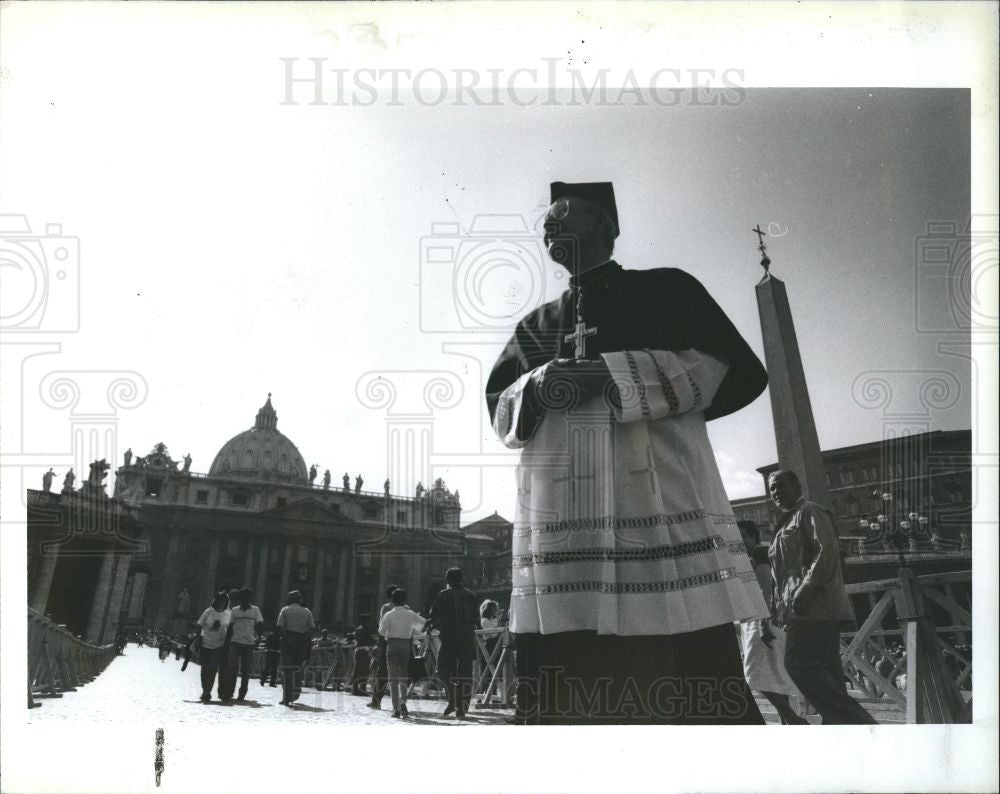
<point x="765" y="261"/>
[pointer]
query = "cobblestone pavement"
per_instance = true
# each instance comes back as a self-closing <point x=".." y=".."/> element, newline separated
<point x="138" y="685"/>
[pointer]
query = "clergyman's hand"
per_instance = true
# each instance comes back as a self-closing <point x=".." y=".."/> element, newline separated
<point x="568" y="382"/>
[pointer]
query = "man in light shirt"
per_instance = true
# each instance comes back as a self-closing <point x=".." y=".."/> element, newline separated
<point x="378" y="671"/>
<point x="214" y="623"/>
<point x="294" y="622"/>
<point x="398" y="625"/>
<point x="244" y="626"/>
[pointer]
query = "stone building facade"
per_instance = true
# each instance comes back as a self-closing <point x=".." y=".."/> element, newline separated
<point x="490" y="558"/>
<point x="259" y="518"/>
<point x="921" y="484"/>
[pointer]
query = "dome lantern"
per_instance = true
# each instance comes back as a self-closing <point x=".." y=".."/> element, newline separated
<point x="267" y="417"/>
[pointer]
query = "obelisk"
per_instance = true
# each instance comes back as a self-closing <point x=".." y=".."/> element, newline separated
<point x="794" y="428"/>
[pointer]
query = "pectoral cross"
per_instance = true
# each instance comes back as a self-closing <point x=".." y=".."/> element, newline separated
<point x="580" y="330"/>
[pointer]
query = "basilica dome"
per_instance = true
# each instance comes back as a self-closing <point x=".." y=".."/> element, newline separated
<point x="261" y="453"/>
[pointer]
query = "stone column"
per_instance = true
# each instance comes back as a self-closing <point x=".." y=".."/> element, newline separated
<point x="262" y="562"/>
<point x="117" y="598"/>
<point x="168" y="585"/>
<point x="129" y="585"/>
<point x="208" y="587"/>
<point x="286" y="570"/>
<point x="135" y="603"/>
<point x="248" y="567"/>
<point x="794" y="427"/>
<point x="351" y="585"/>
<point x="102" y="593"/>
<point x="340" y="607"/>
<point x="383" y="579"/>
<point x="43" y="584"/>
<point x="415" y="585"/>
<point x="318" y="581"/>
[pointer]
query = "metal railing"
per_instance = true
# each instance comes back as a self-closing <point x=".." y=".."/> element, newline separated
<point x="492" y="672"/>
<point x="59" y="662"/>
<point x="932" y="681"/>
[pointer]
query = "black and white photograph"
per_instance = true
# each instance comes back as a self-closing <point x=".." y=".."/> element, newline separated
<point x="567" y="395"/>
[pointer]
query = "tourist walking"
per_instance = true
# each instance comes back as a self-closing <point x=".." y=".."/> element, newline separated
<point x="294" y="622"/>
<point x="214" y="622"/>
<point x="810" y="600"/>
<point x="378" y="668"/>
<point x="243" y="629"/>
<point x="397" y="626"/>
<point x="456" y="614"/>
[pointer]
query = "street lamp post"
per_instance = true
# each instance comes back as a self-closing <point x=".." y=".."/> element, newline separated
<point x="885" y="525"/>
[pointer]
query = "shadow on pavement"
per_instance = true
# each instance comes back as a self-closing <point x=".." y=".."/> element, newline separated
<point x="304" y="707"/>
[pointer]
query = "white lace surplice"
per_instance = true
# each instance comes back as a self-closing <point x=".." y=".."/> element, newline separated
<point x="622" y="524"/>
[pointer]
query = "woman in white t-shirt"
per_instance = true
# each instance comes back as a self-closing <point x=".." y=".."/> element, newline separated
<point x="214" y="623"/>
<point x="489" y="614"/>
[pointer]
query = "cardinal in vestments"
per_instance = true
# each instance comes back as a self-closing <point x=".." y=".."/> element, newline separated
<point x="628" y="567"/>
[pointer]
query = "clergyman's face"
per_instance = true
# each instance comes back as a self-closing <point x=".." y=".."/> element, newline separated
<point x="785" y="491"/>
<point x="570" y="227"/>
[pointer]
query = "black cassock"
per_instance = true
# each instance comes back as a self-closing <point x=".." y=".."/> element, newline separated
<point x="663" y="309"/>
<point x="695" y="677"/>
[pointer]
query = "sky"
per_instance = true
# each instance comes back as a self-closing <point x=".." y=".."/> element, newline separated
<point x="238" y="240"/>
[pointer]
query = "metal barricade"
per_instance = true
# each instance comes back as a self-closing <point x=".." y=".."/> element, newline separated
<point x="931" y="682"/>
<point x="58" y="662"/>
<point x="493" y="671"/>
